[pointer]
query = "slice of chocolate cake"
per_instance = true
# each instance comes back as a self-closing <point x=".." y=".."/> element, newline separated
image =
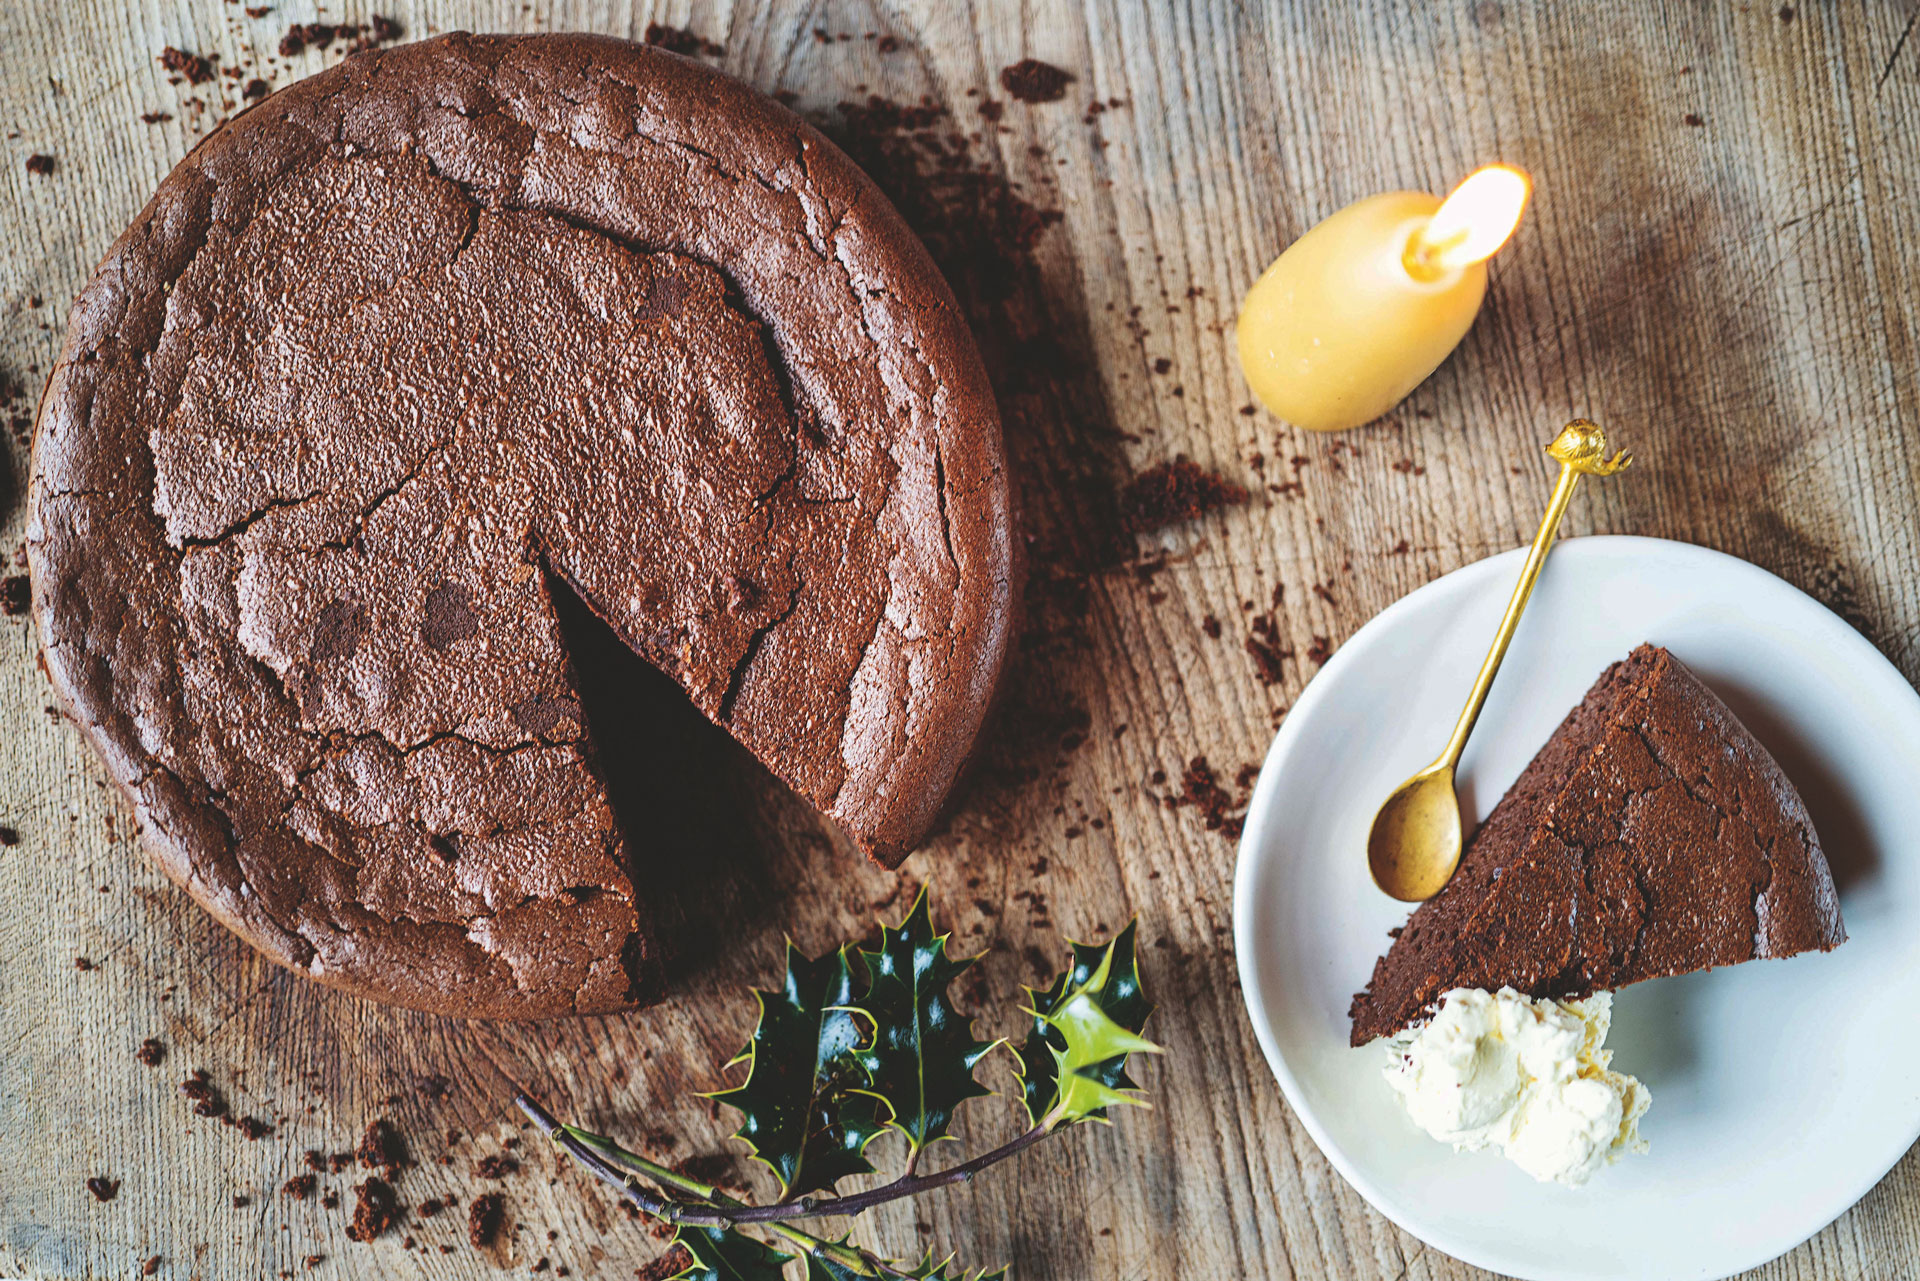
<point x="1651" y="836"/>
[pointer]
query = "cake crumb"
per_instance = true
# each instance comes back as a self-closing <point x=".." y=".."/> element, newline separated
<point x="103" y="1188"/>
<point x="196" y="69"/>
<point x="40" y="163"/>
<point x="1031" y="80"/>
<point x="483" y="1219"/>
<point x="374" y="1210"/>
<point x="682" y="41"/>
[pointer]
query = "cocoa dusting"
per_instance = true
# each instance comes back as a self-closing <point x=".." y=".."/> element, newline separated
<point x="16" y="595"/>
<point x="483" y="1219"/>
<point x="680" y="40"/>
<point x="40" y="163"/>
<point x="374" y="1210"/>
<point x="192" y="66"/>
<point x="103" y="1188"/>
<point x="1170" y="493"/>
<point x="152" y="1052"/>
<point x="1031" y="80"/>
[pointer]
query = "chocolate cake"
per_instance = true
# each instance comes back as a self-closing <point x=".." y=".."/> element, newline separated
<point x="413" y="350"/>
<point x="1651" y="836"/>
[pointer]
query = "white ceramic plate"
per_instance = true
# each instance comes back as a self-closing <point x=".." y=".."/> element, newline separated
<point x="1782" y="1090"/>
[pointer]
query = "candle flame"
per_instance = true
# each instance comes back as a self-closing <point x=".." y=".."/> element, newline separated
<point x="1472" y="223"/>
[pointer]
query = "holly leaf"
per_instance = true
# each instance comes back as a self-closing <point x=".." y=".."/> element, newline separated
<point x="928" y="1270"/>
<point x="798" y="1110"/>
<point x="1073" y="1066"/>
<point x="721" y="1254"/>
<point x="921" y="1061"/>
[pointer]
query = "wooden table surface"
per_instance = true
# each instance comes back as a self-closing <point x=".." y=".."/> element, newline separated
<point x="1722" y="263"/>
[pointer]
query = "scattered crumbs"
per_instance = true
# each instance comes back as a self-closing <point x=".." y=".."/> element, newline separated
<point x="431" y="1206"/>
<point x="152" y="1052"/>
<point x="103" y="1188"/>
<point x="241" y="1200"/>
<point x="9" y="836"/>
<point x="40" y="163"/>
<point x="259" y="10"/>
<point x="374" y="1210"/>
<point x="319" y="36"/>
<point x="1211" y="626"/>
<point x="1693" y="118"/>
<point x="1200" y="789"/>
<point x="82" y="963"/>
<point x="680" y="40"/>
<point x="151" y="1267"/>
<point x="1169" y="493"/>
<point x="256" y="89"/>
<point x="1400" y="548"/>
<point x="496" y="1167"/>
<point x="483" y="1219"/>
<point x="192" y="66"/>
<point x="206" y="1098"/>
<point x="1031" y="80"/>
<point x="671" y="1264"/>
<point x="380" y="1147"/>
<point x="156" y="117"/>
<point x="254" y="1128"/>
<point x="300" y="1186"/>
<point x="1319" y="651"/>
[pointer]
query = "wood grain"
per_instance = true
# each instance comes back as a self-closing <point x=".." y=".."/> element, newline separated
<point x="1723" y="264"/>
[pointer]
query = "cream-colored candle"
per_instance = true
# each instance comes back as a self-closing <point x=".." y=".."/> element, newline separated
<point x="1357" y="312"/>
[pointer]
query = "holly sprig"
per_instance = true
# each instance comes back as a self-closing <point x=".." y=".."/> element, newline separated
<point x="857" y="1043"/>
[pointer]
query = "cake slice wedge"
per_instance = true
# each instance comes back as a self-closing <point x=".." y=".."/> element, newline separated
<point x="1653" y="835"/>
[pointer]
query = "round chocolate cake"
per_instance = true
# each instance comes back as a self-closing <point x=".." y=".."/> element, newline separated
<point x="403" y="357"/>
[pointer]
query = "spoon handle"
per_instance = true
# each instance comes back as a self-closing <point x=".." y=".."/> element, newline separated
<point x="1581" y="450"/>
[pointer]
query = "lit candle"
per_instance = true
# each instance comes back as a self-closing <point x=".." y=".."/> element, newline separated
<point x="1357" y="312"/>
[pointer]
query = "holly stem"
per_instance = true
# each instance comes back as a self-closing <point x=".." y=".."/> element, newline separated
<point x="609" y="1162"/>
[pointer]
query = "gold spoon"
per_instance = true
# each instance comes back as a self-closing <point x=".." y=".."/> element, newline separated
<point x="1415" y="842"/>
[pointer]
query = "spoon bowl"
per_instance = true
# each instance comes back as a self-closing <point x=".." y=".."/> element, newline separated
<point x="1414" y="845"/>
<point x="1415" y="842"/>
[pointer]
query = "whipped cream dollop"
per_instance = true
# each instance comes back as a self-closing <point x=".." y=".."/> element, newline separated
<point x="1528" y="1078"/>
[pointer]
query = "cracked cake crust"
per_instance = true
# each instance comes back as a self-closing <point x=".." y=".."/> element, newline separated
<point x="1653" y="835"/>
<point x="409" y="347"/>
